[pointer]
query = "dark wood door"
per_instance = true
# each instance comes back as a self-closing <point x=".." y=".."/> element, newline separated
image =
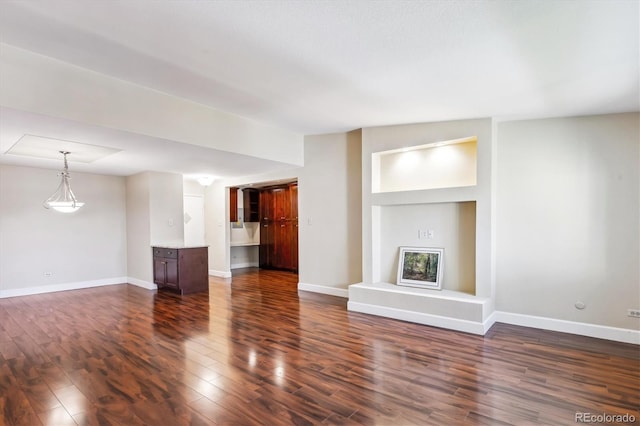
<point x="159" y="271"/>
<point x="282" y="230"/>
<point x="294" y="226"/>
<point x="233" y="204"/>
<point x="279" y="227"/>
<point x="266" y="228"/>
<point x="165" y="272"/>
<point x="251" y="202"/>
<point x="171" y="268"/>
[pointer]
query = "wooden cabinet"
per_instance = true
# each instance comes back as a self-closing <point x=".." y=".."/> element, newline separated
<point x="233" y="204"/>
<point x="279" y="227"/>
<point x="251" y="205"/>
<point x="184" y="270"/>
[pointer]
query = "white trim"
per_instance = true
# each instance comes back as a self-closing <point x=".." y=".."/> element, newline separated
<point x="324" y="289"/>
<point x="488" y="323"/>
<point x="456" y="296"/>
<point x="221" y="274"/>
<point x="421" y="318"/>
<point x="580" y="328"/>
<point x="141" y="283"/>
<point x="244" y="265"/>
<point x="61" y="287"/>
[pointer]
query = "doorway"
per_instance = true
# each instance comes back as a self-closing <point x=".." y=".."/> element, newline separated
<point x="194" y="233"/>
<point x="266" y="226"/>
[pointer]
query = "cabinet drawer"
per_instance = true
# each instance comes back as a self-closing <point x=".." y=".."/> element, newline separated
<point x="165" y="252"/>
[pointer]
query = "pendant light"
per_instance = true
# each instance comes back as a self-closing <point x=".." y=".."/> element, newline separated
<point x="63" y="200"/>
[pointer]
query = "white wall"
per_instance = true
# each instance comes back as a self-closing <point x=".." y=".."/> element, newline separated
<point x="194" y="220"/>
<point x="216" y="221"/>
<point x="194" y="233"/>
<point x="330" y="206"/>
<point x="567" y="218"/>
<point x="139" y="258"/>
<point x="166" y="208"/>
<point x="84" y="248"/>
<point x="192" y="187"/>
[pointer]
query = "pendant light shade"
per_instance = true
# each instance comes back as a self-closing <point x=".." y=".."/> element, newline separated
<point x="63" y="200"/>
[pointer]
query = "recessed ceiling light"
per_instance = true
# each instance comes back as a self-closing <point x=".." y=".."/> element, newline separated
<point x="42" y="147"/>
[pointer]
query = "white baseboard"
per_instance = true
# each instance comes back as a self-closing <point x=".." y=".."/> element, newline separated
<point x="421" y="318"/>
<point x="141" y="283"/>
<point x="27" y="291"/>
<point x="324" y="289"/>
<point x="583" y="329"/>
<point x="245" y="265"/>
<point x="221" y="274"/>
<point x="623" y="335"/>
<point x="488" y="323"/>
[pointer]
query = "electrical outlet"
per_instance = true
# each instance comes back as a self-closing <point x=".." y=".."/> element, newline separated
<point x="633" y="313"/>
<point x="429" y="233"/>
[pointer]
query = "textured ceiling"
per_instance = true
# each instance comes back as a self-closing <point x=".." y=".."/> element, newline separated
<point x="326" y="66"/>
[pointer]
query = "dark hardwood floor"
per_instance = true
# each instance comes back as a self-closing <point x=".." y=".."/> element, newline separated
<point x="258" y="352"/>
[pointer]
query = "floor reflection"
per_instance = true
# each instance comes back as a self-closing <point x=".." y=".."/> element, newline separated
<point x="181" y="317"/>
<point x="259" y="348"/>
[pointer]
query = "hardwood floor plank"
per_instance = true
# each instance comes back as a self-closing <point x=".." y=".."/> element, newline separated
<point x="15" y="407"/>
<point x="255" y="350"/>
<point x="57" y="416"/>
<point x="168" y="412"/>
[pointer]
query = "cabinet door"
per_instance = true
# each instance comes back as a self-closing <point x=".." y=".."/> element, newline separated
<point x="251" y="202"/>
<point x="159" y="271"/>
<point x="279" y="228"/>
<point x="165" y="272"/>
<point x="281" y="205"/>
<point x="282" y="230"/>
<point x="171" y="268"/>
<point x="233" y="204"/>
<point x="293" y="189"/>
<point x="266" y="228"/>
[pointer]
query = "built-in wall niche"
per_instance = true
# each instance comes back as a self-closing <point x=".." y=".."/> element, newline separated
<point x="446" y="164"/>
<point x="451" y="226"/>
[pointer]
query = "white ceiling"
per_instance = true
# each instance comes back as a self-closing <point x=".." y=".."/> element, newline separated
<point x="326" y="66"/>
